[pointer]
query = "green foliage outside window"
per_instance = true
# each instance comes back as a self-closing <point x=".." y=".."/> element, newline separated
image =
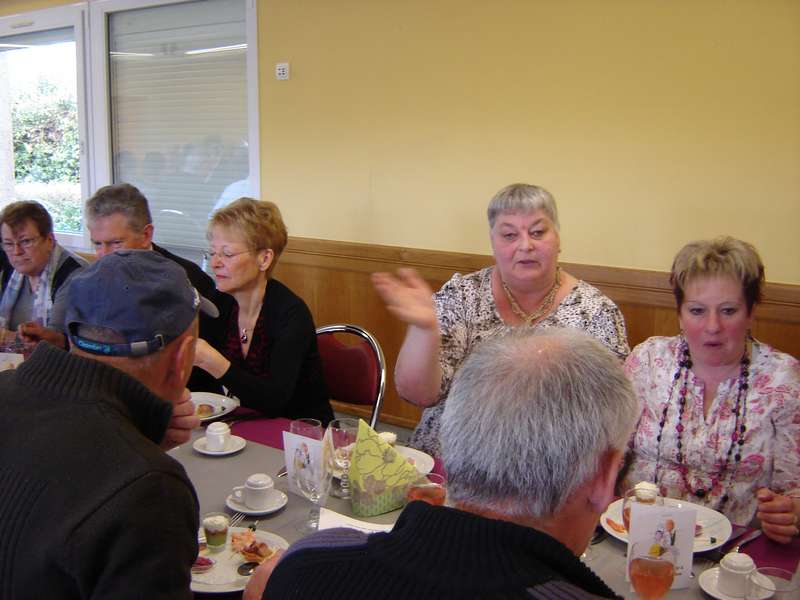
<point x="46" y="153"/>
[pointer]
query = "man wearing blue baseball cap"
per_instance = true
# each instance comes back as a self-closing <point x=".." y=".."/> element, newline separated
<point x="91" y="505"/>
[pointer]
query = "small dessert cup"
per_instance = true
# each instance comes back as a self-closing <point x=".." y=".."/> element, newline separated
<point x="215" y="526"/>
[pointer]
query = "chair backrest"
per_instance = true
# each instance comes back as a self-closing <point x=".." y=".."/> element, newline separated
<point x="354" y="373"/>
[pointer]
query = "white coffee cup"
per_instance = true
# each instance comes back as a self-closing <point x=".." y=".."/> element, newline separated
<point x="217" y="436"/>
<point x="256" y="491"/>
<point x="733" y="571"/>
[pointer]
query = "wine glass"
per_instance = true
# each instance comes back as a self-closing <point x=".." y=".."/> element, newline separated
<point x="651" y="570"/>
<point x="342" y="434"/>
<point x="311" y="473"/>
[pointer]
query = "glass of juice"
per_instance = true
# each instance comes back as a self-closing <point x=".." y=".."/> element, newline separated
<point x="430" y="489"/>
<point x="651" y="570"/>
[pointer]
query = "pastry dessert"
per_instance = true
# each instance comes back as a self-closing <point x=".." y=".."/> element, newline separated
<point x="204" y="410"/>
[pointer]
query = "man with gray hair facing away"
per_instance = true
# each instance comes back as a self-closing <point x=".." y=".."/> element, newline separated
<point x="533" y="435"/>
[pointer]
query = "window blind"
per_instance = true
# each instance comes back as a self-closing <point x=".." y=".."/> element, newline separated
<point x="179" y="110"/>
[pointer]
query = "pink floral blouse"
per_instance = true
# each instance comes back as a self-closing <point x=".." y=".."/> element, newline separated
<point x="770" y="455"/>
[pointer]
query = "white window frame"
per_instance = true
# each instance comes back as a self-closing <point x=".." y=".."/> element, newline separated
<point x="75" y="16"/>
<point x="90" y="23"/>
<point x="101" y="113"/>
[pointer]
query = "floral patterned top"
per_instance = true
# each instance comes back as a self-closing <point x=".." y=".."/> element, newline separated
<point x="770" y="454"/>
<point x="467" y="314"/>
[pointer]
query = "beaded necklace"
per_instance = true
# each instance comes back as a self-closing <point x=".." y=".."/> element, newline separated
<point x="739" y="427"/>
<point x="544" y="307"/>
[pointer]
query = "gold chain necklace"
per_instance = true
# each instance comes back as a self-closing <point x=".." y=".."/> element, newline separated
<point x="544" y="307"/>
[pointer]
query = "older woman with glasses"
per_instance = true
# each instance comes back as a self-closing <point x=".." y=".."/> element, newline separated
<point x="38" y="265"/>
<point x="264" y="350"/>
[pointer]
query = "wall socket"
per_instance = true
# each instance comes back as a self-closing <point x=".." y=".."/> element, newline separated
<point x="282" y="71"/>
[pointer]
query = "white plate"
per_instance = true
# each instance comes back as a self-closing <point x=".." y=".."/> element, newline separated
<point x="223" y="577"/>
<point x="222" y="404"/>
<point x="709" y="582"/>
<point x="235" y="443"/>
<point x="277" y="500"/>
<point x="423" y="462"/>
<point x="714" y="523"/>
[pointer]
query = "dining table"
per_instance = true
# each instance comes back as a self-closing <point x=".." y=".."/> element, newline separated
<point x="215" y="476"/>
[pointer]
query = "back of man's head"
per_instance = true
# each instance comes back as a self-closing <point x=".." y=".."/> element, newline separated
<point x="121" y="198"/>
<point x="133" y="309"/>
<point x="529" y="417"/>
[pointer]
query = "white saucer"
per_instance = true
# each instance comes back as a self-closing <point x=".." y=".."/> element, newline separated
<point x="277" y="501"/>
<point x="235" y="443"/>
<point x="709" y="580"/>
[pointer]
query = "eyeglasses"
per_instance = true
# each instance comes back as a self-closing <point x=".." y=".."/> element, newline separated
<point x="24" y="244"/>
<point x="224" y="255"/>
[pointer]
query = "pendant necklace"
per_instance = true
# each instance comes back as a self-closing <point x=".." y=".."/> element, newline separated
<point x="544" y="307"/>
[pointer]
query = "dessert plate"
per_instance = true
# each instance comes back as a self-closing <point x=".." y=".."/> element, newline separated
<point x="223" y="576"/>
<point x="235" y="443"/>
<point x="423" y="462"/>
<point x="715" y="525"/>
<point x="220" y="404"/>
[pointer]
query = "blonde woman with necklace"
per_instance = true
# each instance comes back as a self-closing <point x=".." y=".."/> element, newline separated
<point x="525" y="288"/>
<point x="264" y="348"/>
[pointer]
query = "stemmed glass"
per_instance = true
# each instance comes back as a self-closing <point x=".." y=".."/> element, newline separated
<point x="651" y="570"/>
<point x="342" y="434"/>
<point x="311" y="473"/>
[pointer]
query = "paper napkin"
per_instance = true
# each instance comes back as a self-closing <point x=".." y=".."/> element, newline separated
<point x="379" y="476"/>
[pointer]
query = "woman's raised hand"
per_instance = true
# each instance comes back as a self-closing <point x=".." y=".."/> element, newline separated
<point x="408" y="297"/>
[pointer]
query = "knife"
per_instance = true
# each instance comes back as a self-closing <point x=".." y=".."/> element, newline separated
<point x="732" y="545"/>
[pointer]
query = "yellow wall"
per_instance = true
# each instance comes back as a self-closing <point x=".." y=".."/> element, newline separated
<point x="652" y="122"/>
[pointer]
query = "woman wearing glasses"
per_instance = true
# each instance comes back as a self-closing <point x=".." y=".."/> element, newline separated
<point x="265" y="347"/>
<point x="38" y="265"/>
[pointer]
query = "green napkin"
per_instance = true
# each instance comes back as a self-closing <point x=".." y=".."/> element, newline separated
<point x="379" y="476"/>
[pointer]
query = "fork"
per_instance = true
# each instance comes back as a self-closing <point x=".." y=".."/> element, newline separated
<point x="237" y="518"/>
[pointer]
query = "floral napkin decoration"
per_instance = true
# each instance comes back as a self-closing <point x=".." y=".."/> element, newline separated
<point x="379" y="476"/>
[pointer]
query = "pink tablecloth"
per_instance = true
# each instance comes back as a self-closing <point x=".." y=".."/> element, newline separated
<point x="766" y="553"/>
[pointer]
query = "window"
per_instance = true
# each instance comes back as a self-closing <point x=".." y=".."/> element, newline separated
<point x="179" y="110"/>
<point x="170" y="102"/>
<point x="42" y="115"/>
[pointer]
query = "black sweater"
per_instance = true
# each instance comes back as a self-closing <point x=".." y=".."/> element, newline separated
<point x="294" y="386"/>
<point x="90" y="506"/>
<point x="434" y="552"/>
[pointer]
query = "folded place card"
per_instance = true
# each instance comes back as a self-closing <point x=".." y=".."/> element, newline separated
<point x="665" y="529"/>
<point x="304" y="463"/>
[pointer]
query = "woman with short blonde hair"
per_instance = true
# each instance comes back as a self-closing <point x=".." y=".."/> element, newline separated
<point x="721" y="418"/>
<point x="264" y="349"/>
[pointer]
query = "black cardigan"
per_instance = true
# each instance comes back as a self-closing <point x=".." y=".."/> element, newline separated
<point x="295" y="387"/>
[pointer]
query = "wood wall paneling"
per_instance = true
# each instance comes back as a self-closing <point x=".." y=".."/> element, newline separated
<point x="334" y="279"/>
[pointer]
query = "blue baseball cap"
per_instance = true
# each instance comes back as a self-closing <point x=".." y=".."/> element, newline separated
<point x="145" y="298"/>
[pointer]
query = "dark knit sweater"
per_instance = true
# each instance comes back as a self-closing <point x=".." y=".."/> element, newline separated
<point x="90" y="506"/>
<point x="434" y="552"/>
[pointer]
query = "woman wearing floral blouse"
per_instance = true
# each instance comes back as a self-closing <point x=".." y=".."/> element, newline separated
<point x="721" y="411"/>
<point x="524" y="288"/>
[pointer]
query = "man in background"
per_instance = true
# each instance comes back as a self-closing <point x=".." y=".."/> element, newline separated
<point x="91" y="506"/>
<point x="533" y="433"/>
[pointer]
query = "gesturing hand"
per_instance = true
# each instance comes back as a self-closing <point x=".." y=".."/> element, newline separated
<point x="407" y="296"/>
